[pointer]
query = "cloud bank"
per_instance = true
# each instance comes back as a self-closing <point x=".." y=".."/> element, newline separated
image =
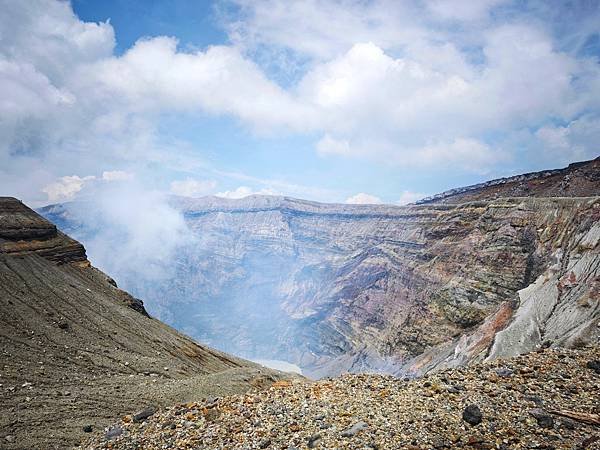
<point x="363" y="199"/>
<point x="426" y="85"/>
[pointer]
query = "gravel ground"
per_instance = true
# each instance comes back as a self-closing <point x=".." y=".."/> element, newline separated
<point x="548" y="399"/>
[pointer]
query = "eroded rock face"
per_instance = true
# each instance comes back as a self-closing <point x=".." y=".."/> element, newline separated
<point x="22" y="231"/>
<point x="561" y="307"/>
<point x="398" y="289"/>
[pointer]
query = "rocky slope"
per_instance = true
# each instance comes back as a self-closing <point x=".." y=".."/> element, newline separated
<point x="76" y="351"/>
<point x="544" y="400"/>
<point x="577" y="180"/>
<point x="403" y="290"/>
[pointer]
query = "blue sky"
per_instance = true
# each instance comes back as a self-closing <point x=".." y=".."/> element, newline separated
<point x="333" y="100"/>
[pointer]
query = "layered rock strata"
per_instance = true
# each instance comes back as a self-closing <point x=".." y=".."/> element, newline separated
<point x="398" y="289"/>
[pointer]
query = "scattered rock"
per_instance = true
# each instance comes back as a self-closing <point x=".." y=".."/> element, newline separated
<point x="144" y="414"/>
<point x="358" y="426"/>
<point x="326" y="414"/>
<point x="472" y="415"/>
<point x="9" y="438"/>
<point x="313" y="440"/>
<point x="535" y="399"/>
<point x="503" y="372"/>
<point x="594" y="365"/>
<point x="588" y="441"/>
<point x="567" y="424"/>
<point x="544" y="419"/>
<point x="264" y="443"/>
<point x="87" y="429"/>
<point x="211" y="402"/>
<point x="113" y="432"/>
<point x="212" y="414"/>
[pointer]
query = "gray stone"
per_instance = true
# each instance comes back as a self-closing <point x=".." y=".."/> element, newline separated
<point x="113" y="433"/>
<point x="358" y="426"/>
<point x="264" y="443"/>
<point x="503" y="372"/>
<point x="543" y="418"/>
<point x="594" y="365"/>
<point x="144" y="414"/>
<point x="312" y="441"/>
<point x="472" y="415"/>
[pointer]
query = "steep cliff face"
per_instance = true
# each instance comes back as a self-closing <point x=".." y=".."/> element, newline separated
<point x="399" y="289"/>
<point x="559" y="305"/>
<point x="357" y="288"/>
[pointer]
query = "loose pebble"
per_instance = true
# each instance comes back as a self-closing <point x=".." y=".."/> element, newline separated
<point x="535" y="406"/>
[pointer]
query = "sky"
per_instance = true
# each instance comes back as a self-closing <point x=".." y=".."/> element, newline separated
<point x="336" y="101"/>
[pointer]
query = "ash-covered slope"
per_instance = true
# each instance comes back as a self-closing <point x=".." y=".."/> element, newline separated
<point x="376" y="287"/>
<point x="77" y="351"/>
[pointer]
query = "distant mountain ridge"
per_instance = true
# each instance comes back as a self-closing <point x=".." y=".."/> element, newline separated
<point x="578" y="179"/>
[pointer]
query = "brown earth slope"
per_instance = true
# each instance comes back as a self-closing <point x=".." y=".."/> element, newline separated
<point x="579" y="179"/>
<point x="76" y="351"/>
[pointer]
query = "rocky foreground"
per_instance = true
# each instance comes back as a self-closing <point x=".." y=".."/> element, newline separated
<point x="548" y="399"/>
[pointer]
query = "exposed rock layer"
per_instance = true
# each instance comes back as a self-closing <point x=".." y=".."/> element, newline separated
<point x="22" y="231"/>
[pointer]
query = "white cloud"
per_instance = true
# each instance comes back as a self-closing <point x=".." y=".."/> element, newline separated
<point x="410" y="197"/>
<point x="467" y="152"/>
<point x="66" y="187"/>
<point x="577" y="140"/>
<point x="117" y="175"/>
<point x="330" y="145"/>
<point x="48" y="36"/>
<point x="245" y="191"/>
<point x="554" y="137"/>
<point x="462" y="10"/>
<point x="153" y="75"/>
<point x="385" y="81"/>
<point x="436" y="95"/>
<point x="379" y="107"/>
<point x="192" y="188"/>
<point x="322" y="29"/>
<point x="279" y="186"/>
<point x="363" y="199"/>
